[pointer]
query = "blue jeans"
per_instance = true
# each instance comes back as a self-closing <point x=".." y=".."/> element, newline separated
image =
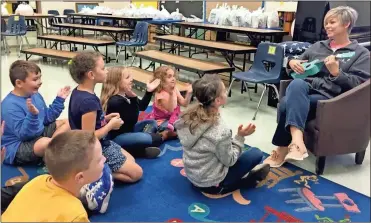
<point x="233" y="180"/>
<point x="295" y="109"/>
<point x="135" y="142"/>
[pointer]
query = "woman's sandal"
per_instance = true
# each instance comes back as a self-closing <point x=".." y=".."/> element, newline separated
<point x="295" y="154"/>
<point x="276" y="159"/>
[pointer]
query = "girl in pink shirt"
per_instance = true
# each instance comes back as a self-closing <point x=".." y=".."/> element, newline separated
<point x="166" y="109"/>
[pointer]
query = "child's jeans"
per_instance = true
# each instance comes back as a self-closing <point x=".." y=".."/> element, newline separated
<point x="233" y="181"/>
<point x="144" y="136"/>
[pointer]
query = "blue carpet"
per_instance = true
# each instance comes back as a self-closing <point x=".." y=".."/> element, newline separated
<point x="164" y="194"/>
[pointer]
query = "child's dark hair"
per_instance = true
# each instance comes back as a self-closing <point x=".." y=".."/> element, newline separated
<point x="20" y="69"/>
<point x="83" y="63"/>
<point x="69" y="153"/>
<point x="206" y="90"/>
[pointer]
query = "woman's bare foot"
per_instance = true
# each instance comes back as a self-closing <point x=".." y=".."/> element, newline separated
<point x="277" y="157"/>
<point x="297" y="148"/>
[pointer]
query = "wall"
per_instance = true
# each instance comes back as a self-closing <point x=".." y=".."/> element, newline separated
<point x="60" y="6"/>
<point x="280" y="6"/>
<point x="145" y="3"/>
<point x="362" y="7"/>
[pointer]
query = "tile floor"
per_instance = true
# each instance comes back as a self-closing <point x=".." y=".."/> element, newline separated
<point x="239" y="110"/>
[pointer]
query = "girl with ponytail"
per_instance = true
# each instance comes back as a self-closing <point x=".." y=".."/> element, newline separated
<point x="214" y="162"/>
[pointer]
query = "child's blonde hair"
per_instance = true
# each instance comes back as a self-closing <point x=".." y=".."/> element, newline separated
<point x="112" y="85"/>
<point x="161" y="73"/>
<point x="206" y="90"/>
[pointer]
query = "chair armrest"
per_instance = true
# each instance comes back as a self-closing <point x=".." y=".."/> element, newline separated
<point x="283" y="85"/>
<point x="348" y="111"/>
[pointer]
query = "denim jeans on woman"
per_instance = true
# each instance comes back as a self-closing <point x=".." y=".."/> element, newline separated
<point x="295" y="109"/>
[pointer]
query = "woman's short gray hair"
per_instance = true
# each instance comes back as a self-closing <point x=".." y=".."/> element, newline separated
<point x="345" y="14"/>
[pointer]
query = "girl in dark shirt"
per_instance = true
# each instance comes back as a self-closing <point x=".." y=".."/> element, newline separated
<point x="138" y="138"/>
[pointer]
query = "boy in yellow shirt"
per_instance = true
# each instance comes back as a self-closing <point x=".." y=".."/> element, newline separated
<point x="74" y="159"/>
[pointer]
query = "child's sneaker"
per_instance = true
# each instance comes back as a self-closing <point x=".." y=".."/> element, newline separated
<point x="97" y="195"/>
<point x="257" y="174"/>
<point x="152" y="152"/>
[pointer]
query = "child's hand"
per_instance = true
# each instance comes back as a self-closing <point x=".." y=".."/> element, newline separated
<point x="246" y="131"/>
<point x="2" y="154"/>
<point x="1" y="133"/>
<point x="153" y="85"/>
<point x="116" y="123"/>
<point x="112" y="115"/>
<point x="64" y="92"/>
<point x="31" y="107"/>
<point x="2" y="126"/>
<point x="170" y="127"/>
<point x="189" y="88"/>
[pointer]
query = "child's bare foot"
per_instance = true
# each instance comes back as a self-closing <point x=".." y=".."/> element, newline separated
<point x="277" y="157"/>
<point x="297" y="152"/>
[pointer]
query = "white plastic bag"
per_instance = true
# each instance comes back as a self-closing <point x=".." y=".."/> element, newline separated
<point x="4" y="10"/>
<point x="213" y="14"/>
<point x="262" y="19"/>
<point x="24" y="9"/>
<point x="273" y="20"/>
<point x="176" y="15"/>
<point x="246" y="19"/>
<point x="255" y="19"/>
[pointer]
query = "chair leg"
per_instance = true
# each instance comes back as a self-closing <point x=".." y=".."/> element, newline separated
<point x="133" y="55"/>
<point x="260" y="100"/>
<point x="247" y="90"/>
<point x="320" y="164"/>
<point x="118" y="54"/>
<point x="359" y="157"/>
<point x="28" y="43"/>
<point x="230" y="86"/>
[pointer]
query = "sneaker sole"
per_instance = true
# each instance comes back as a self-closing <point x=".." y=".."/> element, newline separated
<point x="259" y="173"/>
<point x="288" y="158"/>
<point x="152" y="152"/>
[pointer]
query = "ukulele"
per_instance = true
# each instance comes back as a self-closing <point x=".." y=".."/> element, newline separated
<point x="313" y="67"/>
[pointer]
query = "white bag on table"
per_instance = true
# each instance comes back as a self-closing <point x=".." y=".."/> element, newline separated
<point x="213" y="14"/>
<point x="255" y="19"/>
<point x="24" y="9"/>
<point x="176" y="15"/>
<point x="273" y="20"/>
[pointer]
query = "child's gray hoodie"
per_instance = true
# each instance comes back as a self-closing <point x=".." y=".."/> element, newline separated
<point x="208" y="152"/>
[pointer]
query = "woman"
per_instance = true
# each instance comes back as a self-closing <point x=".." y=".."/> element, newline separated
<point x="335" y="78"/>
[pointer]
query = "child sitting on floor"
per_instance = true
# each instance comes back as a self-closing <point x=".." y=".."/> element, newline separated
<point x="30" y="124"/>
<point x="213" y="161"/>
<point x="166" y="109"/>
<point x="74" y="159"/>
<point x="138" y="138"/>
<point x="85" y="112"/>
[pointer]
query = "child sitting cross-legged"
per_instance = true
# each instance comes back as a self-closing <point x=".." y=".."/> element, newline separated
<point x="30" y="124"/>
<point x="166" y="106"/>
<point x="85" y="112"/>
<point x="74" y="159"/>
<point x="214" y="162"/>
<point x="140" y="139"/>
